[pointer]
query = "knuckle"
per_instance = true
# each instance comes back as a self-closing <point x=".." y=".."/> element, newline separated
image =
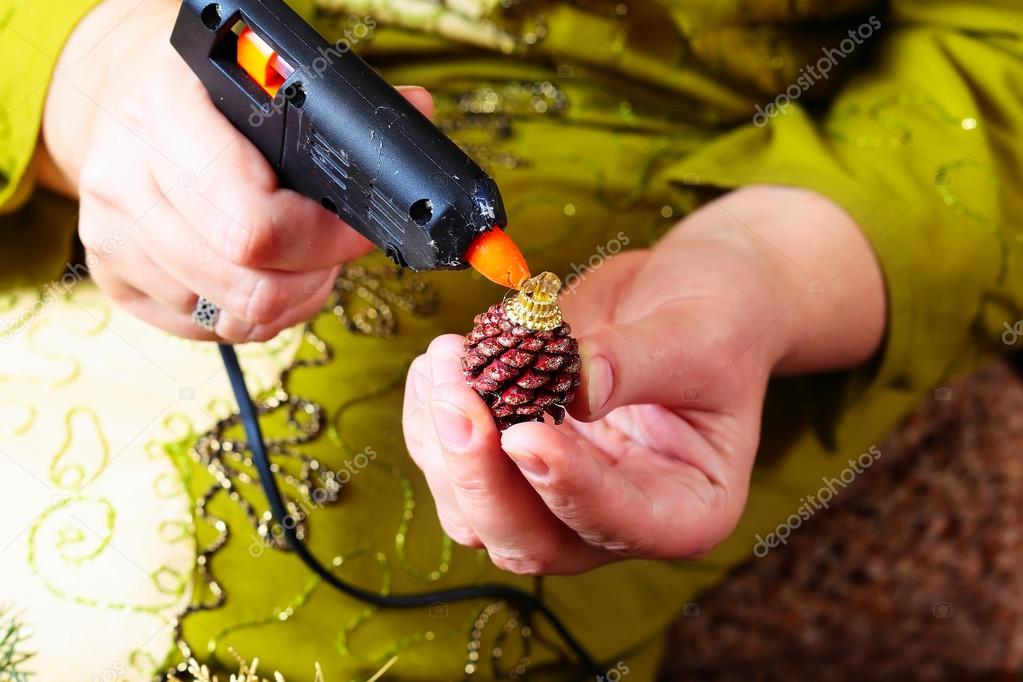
<point x="241" y="154"/>
<point x="183" y="301"/>
<point x="459" y="531"/>
<point x="263" y="333"/>
<point x="614" y="545"/>
<point x="233" y="331"/>
<point x="566" y="494"/>
<point x="114" y="289"/>
<point x="119" y="294"/>
<point x="91" y="181"/>
<point x="250" y="239"/>
<point x="232" y="337"/>
<point x="95" y="199"/>
<point x="89" y="232"/>
<point x="471" y="488"/>
<point x="261" y="301"/>
<point x="566" y="505"/>
<point x="191" y="88"/>
<point x="130" y="109"/>
<point x="315" y="291"/>
<point x="521" y="562"/>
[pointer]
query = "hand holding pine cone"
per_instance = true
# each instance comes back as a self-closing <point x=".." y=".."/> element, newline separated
<point x="520" y="356"/>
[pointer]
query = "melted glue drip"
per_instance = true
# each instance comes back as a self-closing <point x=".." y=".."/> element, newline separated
<point x="535" y="304"/>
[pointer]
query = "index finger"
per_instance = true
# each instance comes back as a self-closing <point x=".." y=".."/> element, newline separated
<point x="520" y="533"/>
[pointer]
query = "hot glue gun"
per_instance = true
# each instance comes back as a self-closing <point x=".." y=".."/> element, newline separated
<point x="335" y="131"/>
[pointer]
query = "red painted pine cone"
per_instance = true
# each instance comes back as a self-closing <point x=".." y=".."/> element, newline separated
<point x="521" y="372"/>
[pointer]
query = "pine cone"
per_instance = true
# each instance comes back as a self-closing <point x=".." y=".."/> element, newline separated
<point x="521" y="358"/>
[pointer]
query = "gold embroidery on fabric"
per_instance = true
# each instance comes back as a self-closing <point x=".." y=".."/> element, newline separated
<point x="513" y="99"/>
<point x="365" y="296"/>
<point x="364" y="300"/>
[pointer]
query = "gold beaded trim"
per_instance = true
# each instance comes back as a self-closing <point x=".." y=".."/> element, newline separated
<point x="364" y="300"/>
<point x="535" y="305"/>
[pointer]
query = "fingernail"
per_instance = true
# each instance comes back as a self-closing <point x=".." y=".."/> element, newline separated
<point x="599" y="382"/>
<point x="453" y="428"/>
<point x="530" y="464"/>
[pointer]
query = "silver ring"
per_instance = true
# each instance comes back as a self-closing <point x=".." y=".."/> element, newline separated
<point x="206" y="313"/>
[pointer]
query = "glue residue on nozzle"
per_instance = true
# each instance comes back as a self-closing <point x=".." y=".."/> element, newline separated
<point x="495" y="256"/>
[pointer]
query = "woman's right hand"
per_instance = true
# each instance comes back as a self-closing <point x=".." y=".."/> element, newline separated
<point x="174" y="202"/>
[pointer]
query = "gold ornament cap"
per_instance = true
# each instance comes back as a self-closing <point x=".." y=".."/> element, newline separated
<point x="535" y="304"/>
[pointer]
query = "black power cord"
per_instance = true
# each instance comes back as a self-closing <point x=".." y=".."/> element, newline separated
<point x="529" y="602"/>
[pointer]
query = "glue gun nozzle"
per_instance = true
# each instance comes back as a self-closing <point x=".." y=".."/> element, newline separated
<point x="495" y="256"/>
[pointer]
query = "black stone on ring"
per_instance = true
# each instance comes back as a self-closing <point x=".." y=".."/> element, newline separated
<point x="205" y="314"/>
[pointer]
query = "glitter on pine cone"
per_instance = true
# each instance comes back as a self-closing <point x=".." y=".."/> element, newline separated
<point x="520" y="356"/>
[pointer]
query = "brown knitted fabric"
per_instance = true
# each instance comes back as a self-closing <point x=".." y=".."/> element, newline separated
<point x="521" y="373"/>
<point x="912" y="575"/>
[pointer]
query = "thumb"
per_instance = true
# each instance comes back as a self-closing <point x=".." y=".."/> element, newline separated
<point x="653" y="360"/>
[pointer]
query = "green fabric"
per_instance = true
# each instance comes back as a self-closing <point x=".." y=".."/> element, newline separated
<point x="31" y="37"/>
<point x="35" y="234"/>
<point x="595" y="121"/>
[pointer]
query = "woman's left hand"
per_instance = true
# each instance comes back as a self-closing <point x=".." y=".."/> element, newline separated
<point x="678" y="343"/>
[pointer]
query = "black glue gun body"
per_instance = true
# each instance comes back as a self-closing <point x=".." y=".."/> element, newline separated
<point x="338" y="133"/>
